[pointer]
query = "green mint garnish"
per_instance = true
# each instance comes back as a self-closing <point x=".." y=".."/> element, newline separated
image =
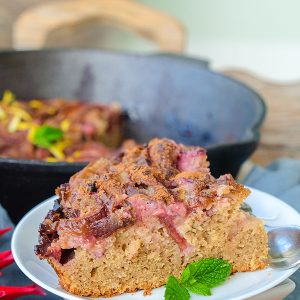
<point x="199" y="288"/>
<point x="208" y="271"/>
<point x="46" y="135"/>
<point x="175" y="291"/>
<point x="199" y="277"/>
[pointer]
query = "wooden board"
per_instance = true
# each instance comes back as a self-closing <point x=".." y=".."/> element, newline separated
<point x="281" y="130"/>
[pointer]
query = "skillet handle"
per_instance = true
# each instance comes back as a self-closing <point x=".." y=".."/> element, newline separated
<point x="34" y="24"/>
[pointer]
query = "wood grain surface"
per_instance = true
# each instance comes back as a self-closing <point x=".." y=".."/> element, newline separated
<point x="34" y="25"/>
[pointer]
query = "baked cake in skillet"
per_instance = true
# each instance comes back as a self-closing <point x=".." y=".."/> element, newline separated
<point x="58" y="129"/>
<point x="128" y="223"/>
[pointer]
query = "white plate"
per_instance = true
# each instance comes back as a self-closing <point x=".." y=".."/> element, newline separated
<point x="239" y="286"/>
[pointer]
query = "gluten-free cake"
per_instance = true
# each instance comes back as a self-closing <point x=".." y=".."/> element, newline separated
<point x="129" y="222"/>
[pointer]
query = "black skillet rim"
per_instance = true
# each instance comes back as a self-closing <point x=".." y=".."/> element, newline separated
<point x="66" y="167"/>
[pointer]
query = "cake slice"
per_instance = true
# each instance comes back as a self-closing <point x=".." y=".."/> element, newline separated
<point x="128" y="223"/>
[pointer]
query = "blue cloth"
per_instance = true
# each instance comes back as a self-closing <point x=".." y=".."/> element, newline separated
<point x="281" y="179"/>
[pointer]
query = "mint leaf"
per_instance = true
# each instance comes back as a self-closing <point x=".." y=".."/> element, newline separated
<point x="46" y="135"/>
<point x="185" y="276"/>
<point x="198" y="277"/>
<point x="199" y="288"/>
<point x="208" y="271"/>
<point x="175" y="291"/>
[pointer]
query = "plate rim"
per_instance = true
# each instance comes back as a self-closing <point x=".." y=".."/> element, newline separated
<point x="70" y="296"/>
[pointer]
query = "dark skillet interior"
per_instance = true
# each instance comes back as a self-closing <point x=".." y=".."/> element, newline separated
<point x="164" y="96"/>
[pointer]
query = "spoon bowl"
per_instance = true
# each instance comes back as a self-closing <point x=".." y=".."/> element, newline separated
<point x="284" y="246"/>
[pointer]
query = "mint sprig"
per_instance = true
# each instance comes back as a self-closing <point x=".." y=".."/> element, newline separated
<point x="45" y="136"/>
<point x="175" y="291"/>
<point x="208" y="271"/>
<point x="198" y="277"/>
<point x="199" y="288"/>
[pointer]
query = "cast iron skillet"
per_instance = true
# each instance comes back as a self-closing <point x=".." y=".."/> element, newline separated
<point x="163" y="95"/>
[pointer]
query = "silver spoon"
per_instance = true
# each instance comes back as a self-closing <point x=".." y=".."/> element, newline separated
<point x="284" y="246"/>
<point x="284" y="243"/>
